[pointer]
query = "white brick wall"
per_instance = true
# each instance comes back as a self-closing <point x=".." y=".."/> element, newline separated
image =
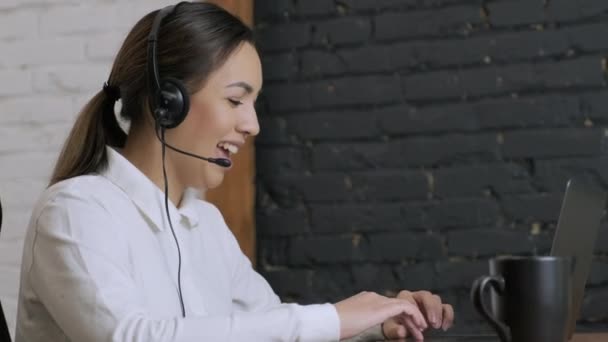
<point x="54" y="54"/>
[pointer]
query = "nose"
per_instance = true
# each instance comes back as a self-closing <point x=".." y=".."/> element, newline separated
<point x="249" y="125"/>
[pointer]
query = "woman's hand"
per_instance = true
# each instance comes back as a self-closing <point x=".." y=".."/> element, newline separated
<point x="437" y="315"/>
<point x="367" y="309"/>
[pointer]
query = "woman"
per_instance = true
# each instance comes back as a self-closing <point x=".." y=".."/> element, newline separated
<point x="121" y="248"/>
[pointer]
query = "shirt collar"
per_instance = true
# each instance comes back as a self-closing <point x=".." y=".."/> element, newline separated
<point x="148" y="198"/>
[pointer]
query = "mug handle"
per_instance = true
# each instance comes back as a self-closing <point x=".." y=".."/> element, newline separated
<point x="477" y="296"/>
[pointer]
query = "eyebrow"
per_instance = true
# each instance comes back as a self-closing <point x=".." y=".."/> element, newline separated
<point x="248" y="88"/>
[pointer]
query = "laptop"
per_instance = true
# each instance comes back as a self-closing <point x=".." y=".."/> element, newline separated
<point x="575" y="236"/>
<point x="4" y="333"/>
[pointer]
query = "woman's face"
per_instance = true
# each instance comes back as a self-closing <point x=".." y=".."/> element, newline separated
<point x="221" y="116"/>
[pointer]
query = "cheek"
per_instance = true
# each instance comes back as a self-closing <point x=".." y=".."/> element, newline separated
<point x="221" y="121"/>
<point x="208" y="125"/>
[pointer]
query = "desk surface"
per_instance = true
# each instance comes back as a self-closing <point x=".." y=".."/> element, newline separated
<point x="595" y="337"/>
<point x="590" y="337"/>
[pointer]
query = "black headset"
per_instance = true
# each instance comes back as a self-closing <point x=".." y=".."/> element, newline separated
<point x="168" y="97"/>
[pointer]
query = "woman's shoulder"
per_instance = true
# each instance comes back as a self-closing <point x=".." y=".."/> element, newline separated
<point x="72" y="207"/>
<point x="74" y="211"/>
<point x="86" y="190"/>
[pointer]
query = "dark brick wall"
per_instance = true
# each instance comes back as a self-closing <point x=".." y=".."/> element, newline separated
<point x="404" y="142"/>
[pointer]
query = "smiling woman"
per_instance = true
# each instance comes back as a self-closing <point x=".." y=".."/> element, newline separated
<point x="121" y="247"/>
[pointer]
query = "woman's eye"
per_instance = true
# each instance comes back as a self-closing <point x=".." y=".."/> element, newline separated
<point x="235" y="102"/>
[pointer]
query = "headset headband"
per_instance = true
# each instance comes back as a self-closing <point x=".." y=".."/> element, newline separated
<point x="153" y="74"/>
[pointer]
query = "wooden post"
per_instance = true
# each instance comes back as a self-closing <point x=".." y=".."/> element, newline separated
<point x="241" y="8"/>
<point x="236" y="196"/>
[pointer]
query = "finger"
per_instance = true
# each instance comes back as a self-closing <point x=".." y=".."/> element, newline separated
<point x="448" y="317"/>
<point x="413" y="314"/>
<point x="392" y="328"/>
<point x="411" y="310"/>
<point x="399" y="332"/>
<point x="417" y="316"/>
<point x="407" y="295"/>
<point x="431" y="306"/>
<point x="437" y="307"/>
<point x="413" y="330"/>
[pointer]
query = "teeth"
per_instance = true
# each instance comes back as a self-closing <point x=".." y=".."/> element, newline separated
<point x="232" y="149"/>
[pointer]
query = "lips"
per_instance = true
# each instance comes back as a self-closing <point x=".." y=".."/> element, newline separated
<point x="228" y="147"/>
<point x="221" y="153"/>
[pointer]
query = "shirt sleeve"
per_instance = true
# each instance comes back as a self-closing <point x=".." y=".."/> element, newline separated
<point x="251" y="293"/>
<point x="80" y="273"/>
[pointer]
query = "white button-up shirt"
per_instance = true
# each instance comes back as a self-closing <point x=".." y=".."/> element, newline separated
<point x="100" y="264"/>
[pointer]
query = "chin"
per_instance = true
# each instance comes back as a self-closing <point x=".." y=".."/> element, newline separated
<point x="213" y="179"/>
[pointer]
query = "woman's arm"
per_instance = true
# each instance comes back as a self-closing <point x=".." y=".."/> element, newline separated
<point x="252" y="293"/>
<point x="79" y="274"/>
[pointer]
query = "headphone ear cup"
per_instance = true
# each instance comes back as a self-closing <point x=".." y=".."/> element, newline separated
<point x="173" y="103"/>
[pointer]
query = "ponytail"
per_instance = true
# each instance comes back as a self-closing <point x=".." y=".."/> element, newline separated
<point x="84" y="151"/>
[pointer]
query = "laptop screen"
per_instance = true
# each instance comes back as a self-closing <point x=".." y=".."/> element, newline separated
<point x="577" y="230"/>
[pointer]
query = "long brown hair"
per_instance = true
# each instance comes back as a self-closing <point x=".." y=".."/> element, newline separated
<point x="193" y="41"/>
